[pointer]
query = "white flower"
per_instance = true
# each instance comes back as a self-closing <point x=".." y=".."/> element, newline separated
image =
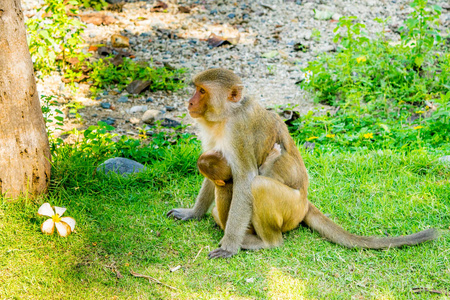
<point x="307" y="80"/>
<point x="64" y="225"/>
<point x="308" y="73"/>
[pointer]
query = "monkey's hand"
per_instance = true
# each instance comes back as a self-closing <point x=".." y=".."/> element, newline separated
<point x="220" y="253"/>
<point x="183" y="214"/>
<point x="224" y="251"/>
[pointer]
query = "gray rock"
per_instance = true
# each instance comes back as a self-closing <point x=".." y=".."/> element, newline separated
<point x="109" y="121"/>
<point x="336" y="16"/>
<point x="326" y="48"/>
<point x="114" y="1"/>
<point x="123" y="99"/>
<point x="105" y="105"/>
<point x="151" y="116"/>
<point x="120" y="165"/>
<point x="309" y="146"/>
<point x="137" y="86"/>
<point x="138" y="108"/>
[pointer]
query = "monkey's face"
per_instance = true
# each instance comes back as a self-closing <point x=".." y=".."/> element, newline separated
<point x="198" y="103"/>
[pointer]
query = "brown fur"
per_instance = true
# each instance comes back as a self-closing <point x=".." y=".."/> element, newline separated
<point x="244" y="133"/>
<point x="213" y="166"/>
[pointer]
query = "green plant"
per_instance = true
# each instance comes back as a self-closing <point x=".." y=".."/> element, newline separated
<point x="73" y="107"/>
<point x="54" y="37"/>
<point x="52" y="115"/>
<point x="316" y="34"/>
<point x="96" y="4"/>
<point x="353" y="130"/>
<point x="422" y="33"/>
<point x="271" y="69"/>
<point x="382" y="88"/>
<point x="106" y="75"/>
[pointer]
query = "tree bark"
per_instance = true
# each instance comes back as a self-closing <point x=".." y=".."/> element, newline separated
<point x="24" y="148"/>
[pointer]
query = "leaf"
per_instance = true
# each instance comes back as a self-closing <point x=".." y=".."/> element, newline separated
<point x="385" y="127"/>
<point x="418" y="60"/>
<point x="44" y="34"/>
<point x="41" y="51"/>
<point x="437" y="8"/>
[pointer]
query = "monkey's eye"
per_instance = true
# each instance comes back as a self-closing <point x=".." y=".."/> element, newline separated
<point x="202" y="91"/>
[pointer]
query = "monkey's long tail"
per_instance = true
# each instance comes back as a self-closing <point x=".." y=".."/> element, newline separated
<point x="317" y="221"/>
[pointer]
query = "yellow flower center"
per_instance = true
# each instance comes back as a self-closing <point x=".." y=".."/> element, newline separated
<point x="56" y="218"/>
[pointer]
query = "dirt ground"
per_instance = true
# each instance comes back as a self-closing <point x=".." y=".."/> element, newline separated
<point x="266" y="55"/>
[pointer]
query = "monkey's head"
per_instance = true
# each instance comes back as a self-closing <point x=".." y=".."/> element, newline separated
<point x="214" y="166"/>
<point x="216" y="90"/>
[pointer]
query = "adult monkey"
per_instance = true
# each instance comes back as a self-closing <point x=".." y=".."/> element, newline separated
<point x="245" y="133"/>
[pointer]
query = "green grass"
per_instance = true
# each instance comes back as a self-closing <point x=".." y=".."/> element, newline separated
<point x="121" y="226"/>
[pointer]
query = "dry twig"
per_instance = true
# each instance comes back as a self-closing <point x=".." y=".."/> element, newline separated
<point x="421" y="290"/>
<point x="151" y="279"/>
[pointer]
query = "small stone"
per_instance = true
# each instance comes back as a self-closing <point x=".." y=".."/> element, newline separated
<point x="105" y="105"/>
<point x="151" y="116"/>
<point x="309" y="146"/>
<point x="94" y="115"/>
<point x="184" y="9"/>
<point x="327" y="48"/>
<point x="109" y="121"/>
<point x="98" y="98"/>
<point x="231" y="16"/>
<point x="138" y="108"/>
<point x="336" y="16"/>
<point x="123" y="99"/>
<point x="170" y="108"/>
<point x="134" y="120"/>
<point x="92" y="35"/>
<point x="120" y="41"/>
<point x="105" y="93"/>
<point x="121" y="166"/>
<point x="170" y="123"/>
<point x="213" y="12"/>
<point x="149" y="100"/>
<point x="138" y="86"/>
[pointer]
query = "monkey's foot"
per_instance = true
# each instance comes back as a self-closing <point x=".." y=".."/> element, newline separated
<point x="220" y="253"/>
<point x="183" y="214"/>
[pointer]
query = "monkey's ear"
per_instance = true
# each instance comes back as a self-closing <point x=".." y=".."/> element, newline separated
<point x="219" y="182"/>
<point x="236" y="93"/>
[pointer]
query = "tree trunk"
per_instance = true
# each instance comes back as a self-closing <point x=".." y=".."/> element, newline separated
<point x="24" y="148"/>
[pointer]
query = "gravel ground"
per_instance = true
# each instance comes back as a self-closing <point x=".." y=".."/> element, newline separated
<point x="180" y="39"/>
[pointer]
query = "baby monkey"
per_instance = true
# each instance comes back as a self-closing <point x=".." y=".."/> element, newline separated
<point x="213" y="165"/>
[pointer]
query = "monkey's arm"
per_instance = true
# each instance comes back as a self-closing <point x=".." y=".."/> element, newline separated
<point x="239" y="216"/>
<point x="204" y="200"/>
<point x="273" y="155"/>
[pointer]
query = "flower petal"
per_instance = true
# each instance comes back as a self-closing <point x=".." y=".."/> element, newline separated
<point x="48" y="226"/>
<point x="60" y="210"/>
<point x="45" y="210"/>
<point x="69" y="221"/>
<point x="63" y="229"/>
